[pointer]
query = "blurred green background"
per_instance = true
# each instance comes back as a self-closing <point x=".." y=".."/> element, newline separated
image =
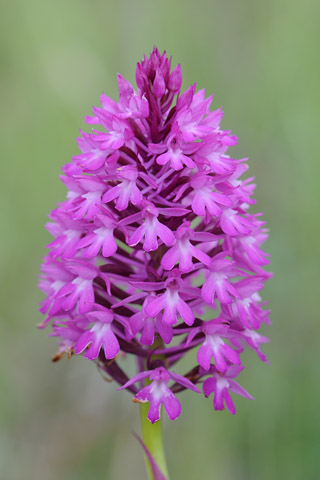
<point x="261" y="59"/>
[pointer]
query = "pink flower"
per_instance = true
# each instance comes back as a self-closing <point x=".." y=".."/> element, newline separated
<point x="206" y="201"/>
<point x="171" y="303"/>
<point x="183" y="251"/>
<point x="99" y="336"/>
<point x="155" y="232"/>
<point x="126" y="190"/>
<point x="151" y="230"/>
<point x="149" y="326"/>
<point x="215" y="347"/>
<point x="80" y="290"/>
<point x="221" y="385"/>
<point x="175" y="154"/>
<point x="217" y="284"/>
<point x="158" y="393"/>
<point x="101" y="237"/>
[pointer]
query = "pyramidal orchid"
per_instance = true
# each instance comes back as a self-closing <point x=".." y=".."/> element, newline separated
<point x="155" y="252"/>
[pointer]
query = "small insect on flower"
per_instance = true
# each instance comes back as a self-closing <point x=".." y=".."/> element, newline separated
<point x="154" y="250"/>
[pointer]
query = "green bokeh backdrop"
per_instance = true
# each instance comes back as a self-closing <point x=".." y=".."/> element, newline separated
<point x="261" y="59"/>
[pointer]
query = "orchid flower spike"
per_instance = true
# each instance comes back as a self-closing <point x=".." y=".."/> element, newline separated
<point x="155" y="232"/>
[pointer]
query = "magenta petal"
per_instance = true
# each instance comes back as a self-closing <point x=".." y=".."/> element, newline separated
<point x="151" y="241"/>
<point x="184" y="381"/>
<point x="175" y="79"/>
<point x="123" y="200"/>
<point x="219" y="361"/>
<point x="147" y="336"/>
<point x="165" y="234"/>
<point x="93" y="248"/>
<point x="155" y="306"/>
<point x="185" y="311"/>
<point x="172" y="405"/>
<point x="65" y="290"/>
<point x="70" y="301"/>
<point x="165" y="331"/>
<point x="201" y="256"/>
<point x="125" y="88"/>
<point x="222" y="292"/>
<point x="111" y="194"/>
<point x="236" y="388"/>
<point x="164" y="158"/>
<point x="111" y="345"/>
<point x="83" y="342"/>
<point x="169" y="315"/>
<point x="187" y="161"/>
<point x="136" y="196"/>
<point x="136" y="378"/>
<point x="136" y="321"/>
<point x="185" y="257"/>
<point x="208" y="290"/>
<point x="170" y="258"/>
<point x="204" y="356"/>
<point x="209" y="386"/>
<point x="86" y="299"/>
<point x="83" y="270"/>
<point x="137" y="236"/>
<point x="154" y="411"/>
<point x="231" y="354"/>
<point x="218" y="399"/>
<point x="198" y="205"/>
<point x="159" y="85"/>
<point x="229" y="403"/>
<point x="156" y="148"/>
<point x="144" y="394"/>
<point x="94" y="349"/>
<point x="109" y="246"/>
<point x="234" y="371"/>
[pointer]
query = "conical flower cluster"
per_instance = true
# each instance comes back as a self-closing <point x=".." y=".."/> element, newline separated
<point x="155" y="252"/>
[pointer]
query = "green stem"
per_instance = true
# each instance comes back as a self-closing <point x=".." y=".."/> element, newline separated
<point x="152" y="438"/>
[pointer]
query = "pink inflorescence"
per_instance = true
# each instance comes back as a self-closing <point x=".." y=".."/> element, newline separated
<point x="154" y="251"/>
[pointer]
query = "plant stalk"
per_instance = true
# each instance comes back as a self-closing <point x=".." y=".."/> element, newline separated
<point x="152" y="438"/>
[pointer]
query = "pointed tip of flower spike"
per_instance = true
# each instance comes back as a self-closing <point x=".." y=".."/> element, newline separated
<point x="175" y="79"/>
<point x="159" y="85"/>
